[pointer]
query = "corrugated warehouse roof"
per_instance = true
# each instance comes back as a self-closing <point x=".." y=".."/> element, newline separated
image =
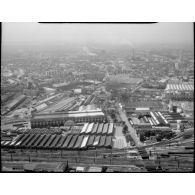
<point x="59" y="141"/>
<point x="180" y="87"/>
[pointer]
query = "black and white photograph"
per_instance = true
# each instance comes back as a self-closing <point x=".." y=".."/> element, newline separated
<point x="97" y="97"/>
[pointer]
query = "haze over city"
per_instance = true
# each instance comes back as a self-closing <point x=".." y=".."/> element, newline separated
<point x="27" y="34"/>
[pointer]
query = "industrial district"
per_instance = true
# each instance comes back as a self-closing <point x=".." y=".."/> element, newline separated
<point x="97" y="109"/>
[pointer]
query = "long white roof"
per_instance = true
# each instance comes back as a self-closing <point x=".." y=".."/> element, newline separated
<point x="89" y="128"/>
<point x="180" y="87"/>
<point x="84" y="142"/>
<point x="68" y="114"/>
<point x="84" y="127"/>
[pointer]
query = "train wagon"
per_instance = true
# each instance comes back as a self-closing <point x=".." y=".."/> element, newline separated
<point x="95" y="128"/>
<point x="73" y="141"/>
<point x="29" y="144"/>
<point x="79" y="142"/>
<point x="50" y="141"/>
<point x="90" y="140"/>
<point x="111" y="128"/>
<point x="30" y="136"/>
<point x="41" y="137"/>
<point x="102" y="141"/>
<point x="90" y="127"/>
<point x="96" y="141"/>
<point x="100" y="128"/>
<point x="105" y="129"/>
<point x="44" y="141"/>
<point x="84" y="142"/>
<point x="66" y="143"/>
<point x="84" y="128"/>
<point x="22" y="140"/>
<point x="55" y="141"/>
<point x="61" y="141"/>
<point x="108" y="143"/>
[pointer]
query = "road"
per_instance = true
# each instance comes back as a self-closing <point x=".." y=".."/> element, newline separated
<point x="130" y="128"/>
<point x="137" y="87"/>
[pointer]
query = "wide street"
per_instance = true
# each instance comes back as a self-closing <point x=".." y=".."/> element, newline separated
<point x="130" y="128"/>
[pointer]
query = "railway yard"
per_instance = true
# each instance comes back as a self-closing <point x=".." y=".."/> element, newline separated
<point x="172" y="156"/>
<point x="60" y="137"/>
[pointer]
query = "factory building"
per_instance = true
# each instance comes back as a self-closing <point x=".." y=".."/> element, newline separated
<point x="172" y="87"/>
<point x="180" y="91"/>
<point x="14" y="104"/>
<point x="138" y="106"/>
<point x="85" y="138"/>
<point x="58" y="119"/>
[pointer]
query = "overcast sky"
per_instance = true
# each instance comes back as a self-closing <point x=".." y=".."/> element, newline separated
<point x="36" y="33"/>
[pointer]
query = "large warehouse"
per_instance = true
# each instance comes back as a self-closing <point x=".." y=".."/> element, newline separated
<point x="180" y="91"/>
<point x="172" y="87"/>
<point x="91" y="135"/>
<point x="58" y="119"/>
<point x="14" y="104"/>
<point x="143" y="105"/>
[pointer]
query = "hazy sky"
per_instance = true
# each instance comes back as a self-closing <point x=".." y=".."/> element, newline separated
<point x="36" y="33"/>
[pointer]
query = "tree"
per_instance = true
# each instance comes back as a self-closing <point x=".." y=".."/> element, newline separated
<point x="125" y="129"/>
<point x="69" y="123"/>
